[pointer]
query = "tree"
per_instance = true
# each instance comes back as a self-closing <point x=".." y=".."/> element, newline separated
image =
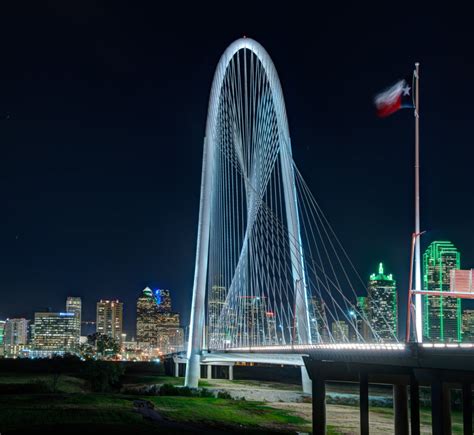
<point x="104" y="344"/>
<point x="103" y="375"/>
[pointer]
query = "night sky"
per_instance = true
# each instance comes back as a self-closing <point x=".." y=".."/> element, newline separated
<point x="102" y="117"/>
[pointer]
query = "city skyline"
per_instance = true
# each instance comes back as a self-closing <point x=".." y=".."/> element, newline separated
<point x="89" y="212"/>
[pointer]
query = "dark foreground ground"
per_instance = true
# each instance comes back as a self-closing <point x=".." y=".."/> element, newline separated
<point x="50" y="398"/>
<point x="43" y="399"/>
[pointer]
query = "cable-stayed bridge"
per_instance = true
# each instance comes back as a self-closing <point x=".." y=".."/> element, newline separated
<point x="268" y="264"/>
<point x="272" y="281"/>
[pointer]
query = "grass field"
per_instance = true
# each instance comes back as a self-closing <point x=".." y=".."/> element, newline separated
<point x="65" y="383"/>
<point x="227" y="411"/>
<point x="95" y="411"/>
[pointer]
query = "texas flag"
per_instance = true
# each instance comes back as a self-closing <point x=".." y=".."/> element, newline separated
<point x="398" y="96"/>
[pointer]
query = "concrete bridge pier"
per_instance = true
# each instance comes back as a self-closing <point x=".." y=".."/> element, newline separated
<point x="467" y="407"/>
<point x="219" y="370"/>
<point x="319" y="405"/>
<point x="400" y="405"/>
<point x="306" y="381"/>
<point x="364" y="402"/>
<point x="440" y="407"/>
<point x="414" y="406"/>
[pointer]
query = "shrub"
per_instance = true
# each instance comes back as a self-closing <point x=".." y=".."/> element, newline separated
<point x="171" y="390"/>
<point x="103" y="375"/>
<point x="224" y="395"/>
<point x="206" y="393"/>
<point x="168" y="390"/>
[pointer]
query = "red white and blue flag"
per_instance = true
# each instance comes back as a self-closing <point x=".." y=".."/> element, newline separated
<point x="396" y="97"/>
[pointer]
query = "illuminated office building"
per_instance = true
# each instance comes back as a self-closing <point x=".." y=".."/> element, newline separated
<point x="318" y="319"/>
<point x="16" y="332"/>
<point x="441" y="314"/>
<point x="2" y="331"/>
<point x="251" y="321"/>
<point x="215" y="306"/>
<point x="157" y="325"/>
<point x="55" y="332"/>
<point x="361" y="315"/>
<point x="15" y="336"/>
<point x="468" y="326"/>
<point x="382" y="306"/>
<point x="146" y="317"/>
<point x="74" y="305"/>
<point x="109" y="318"/>
<point x="163" y="300"/>
<point x="340" y="331"/>
<point x="271" y="337"/>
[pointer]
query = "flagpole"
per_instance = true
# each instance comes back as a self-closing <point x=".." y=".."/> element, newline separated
<point x="418" y="303"/>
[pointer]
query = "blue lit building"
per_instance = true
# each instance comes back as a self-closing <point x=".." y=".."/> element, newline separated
<point x="157" y="325"/>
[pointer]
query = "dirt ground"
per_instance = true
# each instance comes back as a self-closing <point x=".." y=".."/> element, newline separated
<point x="345" y="419"/>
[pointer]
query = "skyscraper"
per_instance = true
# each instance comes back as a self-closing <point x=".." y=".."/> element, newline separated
<point x="271" y="337"/>
<point x="382" y="305"/>
<point x="74" y="305"/>
<point x="146" y="317"/>
<point x="2" y="331"/>
<point x="163" y="300"/>
<point x="157" y="325"/>
<point x="318" y="320"/>
<point x="251" y="319"/>
<point x="340" y="331"/>
<point x="441" y="314"/>
<point x="362" y="319"/>
<point x="468" y="326"/>
<point x="15" y="336"/>
<point x="55" y="332"/>
<point x="109" y="318"/>
<point x="215" y="306"/>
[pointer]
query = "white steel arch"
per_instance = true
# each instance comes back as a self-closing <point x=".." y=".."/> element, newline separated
<point x="253" y="185"/>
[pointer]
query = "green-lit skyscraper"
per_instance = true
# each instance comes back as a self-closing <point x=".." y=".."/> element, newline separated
<point x="441" y="314"/>
<point x="381" y="307"/>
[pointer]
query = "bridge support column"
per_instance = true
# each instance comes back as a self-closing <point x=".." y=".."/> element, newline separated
<point x="467" y="408"/>
<point x="440" y="408"/>
<point x="400" y="405"/>
<point x="414" y="406"/>
<point x="364" y="403"/>
<point x="176" y="369"/>
<point x="447" y="409"/>
<point x="231" y="373"/>
<point x="319" y="406"/>
<point x="306" y="381"/>
<point x="209" y="371"/>
<point x="193" y="370"/>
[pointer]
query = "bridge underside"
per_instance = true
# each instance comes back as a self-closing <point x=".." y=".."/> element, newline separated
<point x="440" y="369"/>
